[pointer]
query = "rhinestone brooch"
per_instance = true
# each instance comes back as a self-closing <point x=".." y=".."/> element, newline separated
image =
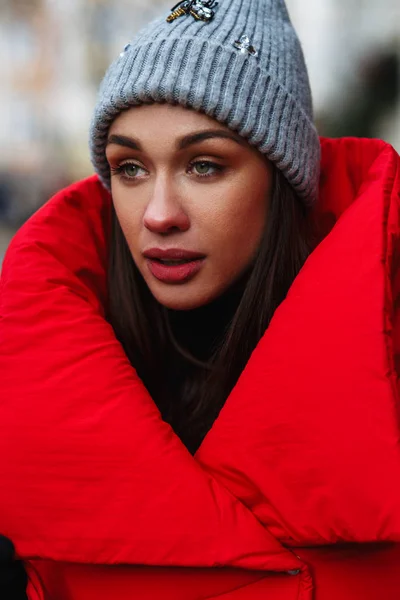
<point x="125" y="50"/>
<point x="244" y="46"/>
<point x="201" y="10"/>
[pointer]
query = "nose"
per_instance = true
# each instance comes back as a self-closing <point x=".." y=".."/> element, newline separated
<point x="164" y="212"/>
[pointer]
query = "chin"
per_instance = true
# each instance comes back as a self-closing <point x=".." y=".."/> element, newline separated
<point x="177" y="298"/>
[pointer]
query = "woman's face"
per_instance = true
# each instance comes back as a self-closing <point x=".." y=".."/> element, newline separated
<point x="191" y="198"/>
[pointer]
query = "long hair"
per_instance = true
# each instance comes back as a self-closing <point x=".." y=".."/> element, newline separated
<point x="189" y="392"/>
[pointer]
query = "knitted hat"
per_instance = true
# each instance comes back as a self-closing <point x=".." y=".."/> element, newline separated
<point x="238" y="61"/>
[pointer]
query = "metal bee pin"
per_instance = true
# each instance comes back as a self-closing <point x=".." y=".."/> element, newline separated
<point x="201" y="10"/>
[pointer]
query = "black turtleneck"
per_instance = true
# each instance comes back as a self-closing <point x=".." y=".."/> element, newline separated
<point x="200" y="330"/>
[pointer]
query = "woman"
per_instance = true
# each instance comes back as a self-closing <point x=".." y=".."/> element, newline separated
<point x="200" y="395"/>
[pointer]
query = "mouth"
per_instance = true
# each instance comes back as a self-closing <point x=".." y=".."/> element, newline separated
<point x="174" y="265"/>
<point x="171" y="263"/>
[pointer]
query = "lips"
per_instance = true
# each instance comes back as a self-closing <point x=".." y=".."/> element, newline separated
<point x="173" y="265"/>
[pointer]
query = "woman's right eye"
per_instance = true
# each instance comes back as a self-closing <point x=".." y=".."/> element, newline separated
<point x="129" y="171"/>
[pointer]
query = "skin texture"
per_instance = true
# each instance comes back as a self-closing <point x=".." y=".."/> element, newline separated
<point x="167" y="195"/>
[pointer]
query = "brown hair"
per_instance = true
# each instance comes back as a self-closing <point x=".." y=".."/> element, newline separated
<point x="190" y="391"/>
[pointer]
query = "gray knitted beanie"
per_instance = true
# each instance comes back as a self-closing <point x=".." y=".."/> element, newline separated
<point x="238" y="61"/>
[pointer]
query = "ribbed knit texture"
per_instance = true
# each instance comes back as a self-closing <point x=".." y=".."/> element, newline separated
<point x="266" y="99"/>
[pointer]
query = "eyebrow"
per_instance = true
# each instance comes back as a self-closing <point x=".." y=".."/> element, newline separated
<point x="126" y="142"/>
<point x="201" y="136"/>
<point x="183" y="143"/>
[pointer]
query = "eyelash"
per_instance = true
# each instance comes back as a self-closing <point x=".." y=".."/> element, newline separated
<point x="218" y="168"/>
<point x="120" y="170"/>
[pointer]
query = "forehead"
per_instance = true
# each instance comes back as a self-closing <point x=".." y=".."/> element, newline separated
<point x="162" y="120"/>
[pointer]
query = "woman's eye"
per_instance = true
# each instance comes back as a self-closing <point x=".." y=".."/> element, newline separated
<point x="129" y="171"/>
<point x="204" y="168"/>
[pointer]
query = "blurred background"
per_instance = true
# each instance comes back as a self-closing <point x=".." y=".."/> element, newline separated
<point x="53" y="54"/>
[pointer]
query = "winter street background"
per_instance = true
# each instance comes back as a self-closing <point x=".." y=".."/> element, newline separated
<point x="53" y="54"/>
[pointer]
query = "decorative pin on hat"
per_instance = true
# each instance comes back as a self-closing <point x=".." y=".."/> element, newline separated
<point x="244" y="46"/>
<point x="201" y="10"/>
<point x="125" y="50"/>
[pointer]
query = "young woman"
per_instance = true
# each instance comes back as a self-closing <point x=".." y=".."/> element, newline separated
<point x="198" y="374"/>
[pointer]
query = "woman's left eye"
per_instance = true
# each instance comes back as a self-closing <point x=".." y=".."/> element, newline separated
<point x="204" y="168"/>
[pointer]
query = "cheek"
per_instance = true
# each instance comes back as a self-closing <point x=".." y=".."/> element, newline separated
<point x="235" y="224"/>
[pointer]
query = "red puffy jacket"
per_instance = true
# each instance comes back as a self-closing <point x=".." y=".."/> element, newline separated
<point x="295" y="492"/>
